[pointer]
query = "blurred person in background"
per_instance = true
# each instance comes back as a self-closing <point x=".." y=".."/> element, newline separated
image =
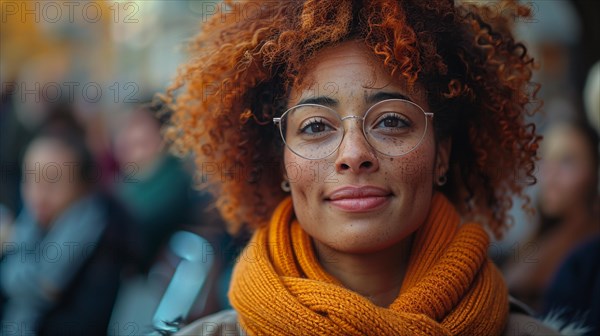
<point x="63" y="262"/>
<point x="575" y="289"/>
<point x="154" y="186"/>
<point x="43" y="85"/>
<point x="24" y="107"/>
<point x="568" y="206"/>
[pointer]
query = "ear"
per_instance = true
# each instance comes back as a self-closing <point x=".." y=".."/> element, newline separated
<point x="442" y="159"/>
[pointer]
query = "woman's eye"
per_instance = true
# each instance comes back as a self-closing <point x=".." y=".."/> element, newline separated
<point x="315" y="127"/>
<point x="393" y="121"/>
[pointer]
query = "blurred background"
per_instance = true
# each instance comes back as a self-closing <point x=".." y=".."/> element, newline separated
<point x="100" y="225"/>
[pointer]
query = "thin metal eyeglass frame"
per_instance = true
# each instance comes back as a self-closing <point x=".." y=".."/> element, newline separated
<point x="277" y="122"/>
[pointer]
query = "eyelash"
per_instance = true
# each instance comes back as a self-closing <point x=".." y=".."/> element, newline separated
<point x="311" y="122"/>
<point x="397" y="116"/>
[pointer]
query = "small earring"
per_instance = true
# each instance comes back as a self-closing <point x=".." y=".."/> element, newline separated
<point x="442" y="180"/>
<point x="285" y="186"/>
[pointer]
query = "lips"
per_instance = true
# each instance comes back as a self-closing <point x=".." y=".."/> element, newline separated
<point x="359" y="199"/>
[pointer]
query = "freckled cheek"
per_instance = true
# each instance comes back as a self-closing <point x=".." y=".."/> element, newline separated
<point x="304" y="185"/>
<point x="308" y="175"/>
<point x="414" y="169"/>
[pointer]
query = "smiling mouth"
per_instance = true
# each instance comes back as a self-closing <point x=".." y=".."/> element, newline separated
<point x="361" y="199"/>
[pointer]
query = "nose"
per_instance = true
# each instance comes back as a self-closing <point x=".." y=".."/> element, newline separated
<point x="355" y="154"/>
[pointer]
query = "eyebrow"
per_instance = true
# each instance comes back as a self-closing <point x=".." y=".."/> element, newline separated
<point x="371" y="99"/>
<point x="379" y="96"/>
<point x="321" y="100"/>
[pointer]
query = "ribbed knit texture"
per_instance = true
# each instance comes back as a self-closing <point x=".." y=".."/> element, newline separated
<point x="450" y="287"/>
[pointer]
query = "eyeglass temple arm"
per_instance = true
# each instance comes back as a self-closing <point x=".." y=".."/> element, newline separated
<point x="277" y="121"/>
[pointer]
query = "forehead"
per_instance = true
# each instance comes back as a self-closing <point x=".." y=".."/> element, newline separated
<point x="45" y="150"/>
<point x="564" y="140"/>
<point x="346" y="70"/>
<point x="351" y="56"/>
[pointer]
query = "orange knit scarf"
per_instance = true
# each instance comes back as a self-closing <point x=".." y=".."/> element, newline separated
<point x="450" y="288"/>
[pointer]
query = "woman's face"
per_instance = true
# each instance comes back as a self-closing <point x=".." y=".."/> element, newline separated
<point x="358" y="200"/>
<point x="566" y="171"/>
<point x="53" y="183"/>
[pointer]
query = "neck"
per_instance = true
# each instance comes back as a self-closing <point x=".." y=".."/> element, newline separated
<point x="377" y="276"/>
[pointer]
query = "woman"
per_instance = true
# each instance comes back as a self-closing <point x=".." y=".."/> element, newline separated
<point x="398" y="134"/>
<point x="62" y="265"/>
<point x="568" y="205"/>
<point x="154" y="187"/>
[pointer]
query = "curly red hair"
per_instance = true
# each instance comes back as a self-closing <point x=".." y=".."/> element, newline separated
<point x="477" y="80"/>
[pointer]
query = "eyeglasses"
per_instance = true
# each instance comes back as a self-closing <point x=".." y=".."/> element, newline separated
<point x="393" y="127"/>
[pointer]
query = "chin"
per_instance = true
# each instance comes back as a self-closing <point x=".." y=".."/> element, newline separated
<point x="365" y="247"/>
<point x="357" y="242"/>
<point x="551" y="210"/>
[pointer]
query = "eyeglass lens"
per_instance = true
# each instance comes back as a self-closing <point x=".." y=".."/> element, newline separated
<point x="392" y="127"/>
